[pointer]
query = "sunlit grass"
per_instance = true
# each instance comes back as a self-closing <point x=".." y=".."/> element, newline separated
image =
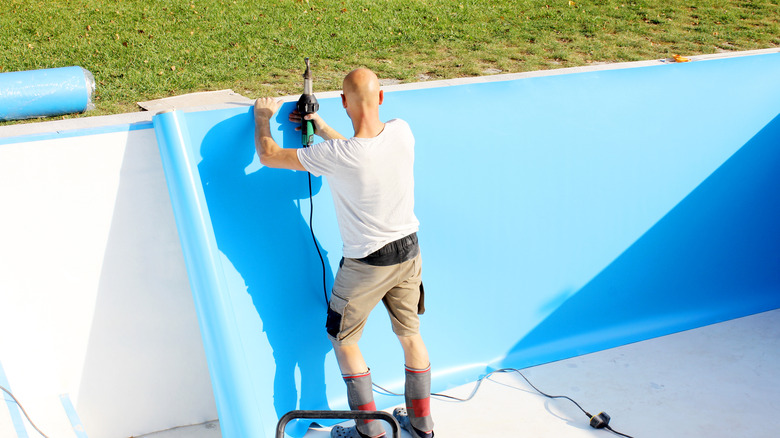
<point x="140" y="50"/>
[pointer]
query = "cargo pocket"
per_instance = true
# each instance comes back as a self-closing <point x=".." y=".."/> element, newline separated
<point x="335" y="316"/>
<point x="421" y="303"/>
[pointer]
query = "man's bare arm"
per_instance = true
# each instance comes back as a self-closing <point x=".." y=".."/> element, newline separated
<point x="270" y="153"/>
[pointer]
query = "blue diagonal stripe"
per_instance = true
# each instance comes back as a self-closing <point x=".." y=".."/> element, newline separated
<point x="75" y="421"/>
<point x="13" y="408"/>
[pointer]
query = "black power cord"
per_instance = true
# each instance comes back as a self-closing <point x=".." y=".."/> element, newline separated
<point x="599" y="421"/>
<point x="314" y="239"/>
<point x="23" y="411"/>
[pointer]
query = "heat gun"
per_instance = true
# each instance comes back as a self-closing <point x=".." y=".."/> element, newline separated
<point x="307" y="104"/>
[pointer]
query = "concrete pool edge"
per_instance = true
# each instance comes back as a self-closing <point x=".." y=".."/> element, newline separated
<point x="142" y="119"/>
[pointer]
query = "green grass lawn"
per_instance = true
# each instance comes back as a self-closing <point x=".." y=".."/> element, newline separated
<point x="140" y="49"/>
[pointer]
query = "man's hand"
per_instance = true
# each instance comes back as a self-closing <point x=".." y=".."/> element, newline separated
<point x="266" y="107"/>
<point x="295" y="117"/>
<point x="320" y="127"/>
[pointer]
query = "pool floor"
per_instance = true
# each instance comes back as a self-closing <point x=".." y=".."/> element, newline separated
<point x="722" y="380"/>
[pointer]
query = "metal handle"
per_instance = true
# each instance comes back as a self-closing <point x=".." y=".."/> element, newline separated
<point x="339" y="415"/>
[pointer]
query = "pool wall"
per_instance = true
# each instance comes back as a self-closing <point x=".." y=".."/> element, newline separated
<point x="562" y="212"/>
<point x="560" y="215"/>
<point x="94" y="297"/>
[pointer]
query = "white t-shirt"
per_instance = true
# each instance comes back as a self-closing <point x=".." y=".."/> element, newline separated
<point x="372" y="183"/>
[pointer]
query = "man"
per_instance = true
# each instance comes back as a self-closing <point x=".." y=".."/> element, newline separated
<point x="372" y="183"/>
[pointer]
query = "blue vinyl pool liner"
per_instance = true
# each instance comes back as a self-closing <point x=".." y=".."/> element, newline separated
<point x="603" y="208"/>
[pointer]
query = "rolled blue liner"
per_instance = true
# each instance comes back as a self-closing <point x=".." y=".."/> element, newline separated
<point x="45" y="93"/>
<point x="238" y="412"/>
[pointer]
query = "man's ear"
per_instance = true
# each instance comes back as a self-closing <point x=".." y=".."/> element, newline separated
<point x="381" y="96"/>
<point x="343" y="100"/>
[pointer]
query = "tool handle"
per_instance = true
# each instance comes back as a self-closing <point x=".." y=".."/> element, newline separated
<point x="307" y="133"/>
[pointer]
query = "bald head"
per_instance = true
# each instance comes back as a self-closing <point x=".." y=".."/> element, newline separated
<point x="361" y="99"/>
<point x="361" y="87"/>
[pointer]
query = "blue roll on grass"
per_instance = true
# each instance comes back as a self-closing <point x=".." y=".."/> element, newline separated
<point x="45" y="93"/>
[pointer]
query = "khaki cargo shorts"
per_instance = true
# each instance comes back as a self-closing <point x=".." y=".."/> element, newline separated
<point x="359" y="287"/>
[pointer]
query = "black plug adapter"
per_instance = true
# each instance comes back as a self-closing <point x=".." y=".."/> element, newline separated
<point x="599" y="421"/>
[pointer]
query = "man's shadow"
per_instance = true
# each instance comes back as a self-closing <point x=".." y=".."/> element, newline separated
<point x="259" y="227"/>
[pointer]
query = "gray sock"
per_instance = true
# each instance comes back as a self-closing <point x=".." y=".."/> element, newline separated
<point x="418" y="398"/>
<point x="360" y="396"/>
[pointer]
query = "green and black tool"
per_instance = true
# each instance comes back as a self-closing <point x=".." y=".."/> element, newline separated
<point x="307" y="104"/>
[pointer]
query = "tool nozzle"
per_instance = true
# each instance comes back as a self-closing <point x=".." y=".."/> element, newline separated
<point x="307" y="78"/>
